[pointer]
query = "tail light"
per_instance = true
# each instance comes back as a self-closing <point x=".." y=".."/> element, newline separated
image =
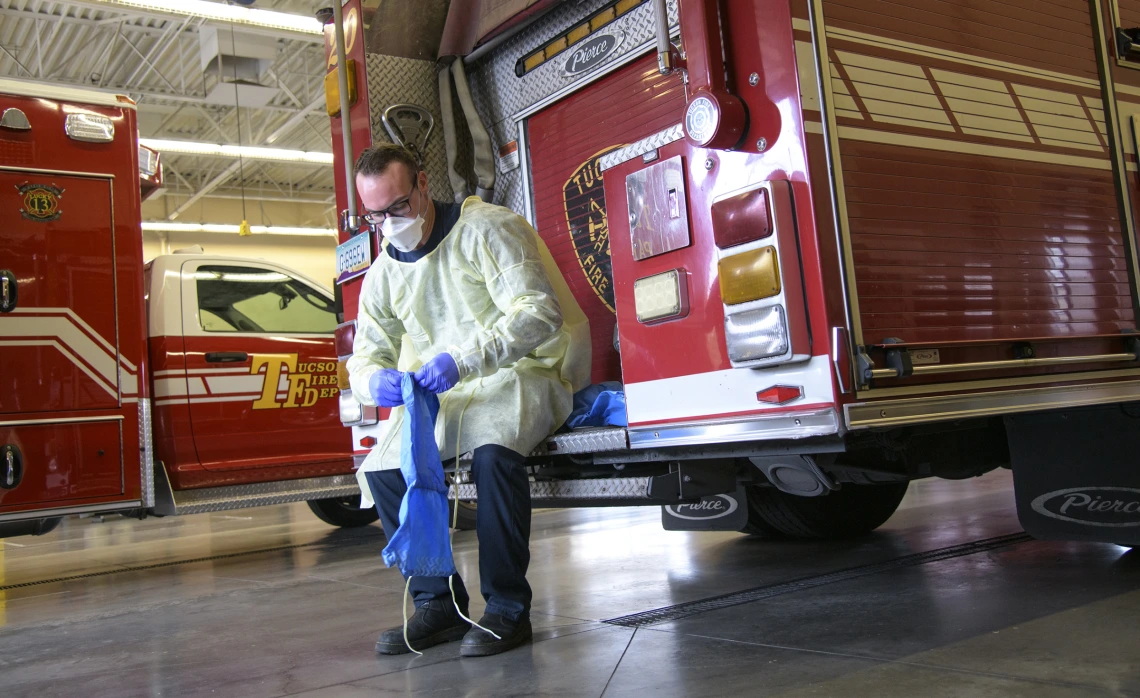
<point x="749" y="276"/>
<point x="352" y="413"/>
<point x="343" y="338"/>
<point x="757" y="334"/>
<point x="765" y="319"/>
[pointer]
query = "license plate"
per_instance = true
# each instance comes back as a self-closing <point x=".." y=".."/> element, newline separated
<point x="353" y="257"/>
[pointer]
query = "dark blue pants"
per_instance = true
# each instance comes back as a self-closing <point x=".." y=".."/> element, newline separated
<point x="502" y="523"/>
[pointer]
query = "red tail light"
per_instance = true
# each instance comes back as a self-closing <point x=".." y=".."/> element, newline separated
<point x="741" y="218"/>
<point x="343" y="338"/>
<point x="780" y="394"/>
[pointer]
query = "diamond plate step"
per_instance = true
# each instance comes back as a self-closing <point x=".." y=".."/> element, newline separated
<point x="595" y="490"/>
<point x="261" y="494"/>
<point x="591" y="440"/>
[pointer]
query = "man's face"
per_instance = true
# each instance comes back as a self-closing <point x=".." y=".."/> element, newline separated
<point x="392" y="189"/>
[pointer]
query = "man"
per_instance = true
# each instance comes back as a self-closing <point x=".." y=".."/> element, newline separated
<point x="467" y="285"/>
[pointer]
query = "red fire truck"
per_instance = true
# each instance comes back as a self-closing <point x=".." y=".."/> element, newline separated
<point x="828" y="246"/>
<point x="191" y="383"/>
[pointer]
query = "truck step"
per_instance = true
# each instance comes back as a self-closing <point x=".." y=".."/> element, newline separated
<point x="170" y="503"/>
<point x="613" y="491"/>
<point x="591" y="440"/>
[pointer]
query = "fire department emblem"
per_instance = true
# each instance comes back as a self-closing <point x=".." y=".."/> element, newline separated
<point x="585" y="201"/>
<point x="40" y="202"/>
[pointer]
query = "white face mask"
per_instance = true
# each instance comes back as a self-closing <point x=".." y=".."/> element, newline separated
<point x="404" y="233"/>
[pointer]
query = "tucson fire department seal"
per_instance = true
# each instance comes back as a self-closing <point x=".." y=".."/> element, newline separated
<point x="585" y="201"/>
<point x="40" y="202"/>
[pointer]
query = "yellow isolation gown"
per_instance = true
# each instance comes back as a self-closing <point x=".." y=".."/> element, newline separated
<point x="492" y="296"/>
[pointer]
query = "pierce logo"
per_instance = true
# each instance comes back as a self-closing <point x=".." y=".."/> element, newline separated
<point x="713" y="507"/>
<point x="1113" y="507"/>
<point x="591" y="53"/>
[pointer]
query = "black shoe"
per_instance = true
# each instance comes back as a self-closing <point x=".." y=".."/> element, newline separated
<point x="434" y="623"/>
<point x="512" y="633"/>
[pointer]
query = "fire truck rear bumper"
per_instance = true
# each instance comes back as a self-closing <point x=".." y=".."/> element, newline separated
<point x="615" y="441"/>
<point x="764" y="427"/>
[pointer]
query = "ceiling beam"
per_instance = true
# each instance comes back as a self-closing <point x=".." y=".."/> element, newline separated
<point x="230" y="171"/>
<point x="156" y="53"/>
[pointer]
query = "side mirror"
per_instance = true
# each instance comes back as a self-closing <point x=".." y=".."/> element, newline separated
<point x="1128" y="43"/>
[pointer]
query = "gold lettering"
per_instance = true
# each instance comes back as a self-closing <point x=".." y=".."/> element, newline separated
<point x="299" y="390"/>
<point x="273" y="364"/>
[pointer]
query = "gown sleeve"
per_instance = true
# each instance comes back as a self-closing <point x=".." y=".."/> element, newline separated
<point x="378" y="333"/>
<point x="501" y="250"/>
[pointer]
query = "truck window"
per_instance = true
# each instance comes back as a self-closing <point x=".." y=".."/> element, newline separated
<point x="249" y="299"/>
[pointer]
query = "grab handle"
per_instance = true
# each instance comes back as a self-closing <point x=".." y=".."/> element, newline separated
<point x="226" y="357"/>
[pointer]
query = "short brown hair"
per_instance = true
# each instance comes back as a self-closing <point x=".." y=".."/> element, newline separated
<point x="375" y="160"/>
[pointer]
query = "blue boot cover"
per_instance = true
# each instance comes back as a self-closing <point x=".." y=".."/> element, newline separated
<point x="421" y="546"/>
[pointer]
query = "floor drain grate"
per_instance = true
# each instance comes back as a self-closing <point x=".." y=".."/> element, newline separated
<point x="692" y="608"/>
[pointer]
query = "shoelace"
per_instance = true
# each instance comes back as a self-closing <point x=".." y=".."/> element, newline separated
<point x="451" y="534"/>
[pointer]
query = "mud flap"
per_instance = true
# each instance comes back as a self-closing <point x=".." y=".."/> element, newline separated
<point x="1076" y="473"/>
<point x="718" y="512"/>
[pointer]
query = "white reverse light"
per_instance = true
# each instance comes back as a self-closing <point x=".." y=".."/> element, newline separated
<point x="351" y="411"/>
<point x="756" y="334"/>
<point x="661" y="296"/>
<point x="228" y="13"/>
<point x="167" y="227"/>
<point x="233" y="151"/>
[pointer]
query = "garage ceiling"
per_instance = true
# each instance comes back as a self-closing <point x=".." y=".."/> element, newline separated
<point x="157" y="59"/>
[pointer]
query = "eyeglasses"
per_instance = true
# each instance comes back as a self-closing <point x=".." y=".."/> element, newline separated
<point x="400" y="209"/>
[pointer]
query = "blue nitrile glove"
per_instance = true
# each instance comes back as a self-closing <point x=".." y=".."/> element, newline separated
<point x="385" y="387"/>
<point x="438" y="375"/>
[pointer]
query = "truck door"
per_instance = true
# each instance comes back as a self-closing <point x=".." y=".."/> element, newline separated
<point x="58" y="325"/>
<point x="261" y="368"/>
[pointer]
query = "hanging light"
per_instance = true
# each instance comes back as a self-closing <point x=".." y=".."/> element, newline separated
<point x="168" y="227"/>
<point x="234" y="151"/>
<point x="217" y="11"/>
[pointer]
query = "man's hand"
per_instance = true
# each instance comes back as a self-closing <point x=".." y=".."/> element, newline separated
<point x="438" y="375"/>
<point x="385" y="387"/>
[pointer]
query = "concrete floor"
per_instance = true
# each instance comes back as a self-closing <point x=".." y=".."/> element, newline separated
<point x="288" y="606"/>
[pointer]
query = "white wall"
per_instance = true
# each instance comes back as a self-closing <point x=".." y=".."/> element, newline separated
<point x="314" y="257"/>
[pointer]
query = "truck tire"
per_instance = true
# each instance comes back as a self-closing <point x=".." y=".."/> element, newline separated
<point x="757" y="527"/>
<point x="343" y="511"/>
<point x="346" y="513"/>
<point x="853" y="510"/>
<point x="466" y="519"/>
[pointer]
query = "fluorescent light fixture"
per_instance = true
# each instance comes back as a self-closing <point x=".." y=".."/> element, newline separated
<point x="233" y="151"/>
<point x="221" y="12"/>
<point x="168" y="227"/>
